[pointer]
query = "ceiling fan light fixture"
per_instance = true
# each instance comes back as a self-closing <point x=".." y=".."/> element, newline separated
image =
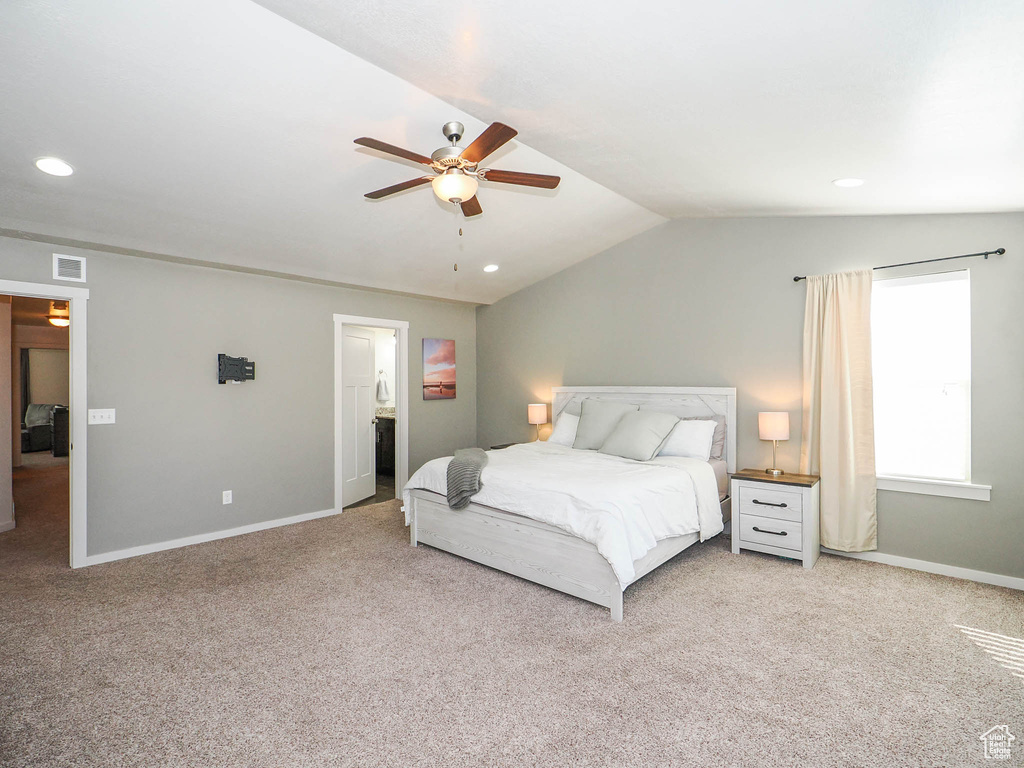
<point x="60" y="315"/>
<point x="454" y="186"/>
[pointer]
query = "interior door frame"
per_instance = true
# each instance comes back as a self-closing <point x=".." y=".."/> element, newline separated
<point x="77" y="299"/>
<point x="401" y="329"/>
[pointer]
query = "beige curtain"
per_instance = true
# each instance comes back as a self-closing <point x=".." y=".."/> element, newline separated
<point x="838" y="436"/>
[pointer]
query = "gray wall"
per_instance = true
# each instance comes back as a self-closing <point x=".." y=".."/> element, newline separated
<point x="712" y="302"/>
<point x="154" y="332"/>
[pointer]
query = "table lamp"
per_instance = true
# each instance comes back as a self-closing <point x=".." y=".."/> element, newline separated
<point x="537" y="413"/>
<point x="774" y="426"/>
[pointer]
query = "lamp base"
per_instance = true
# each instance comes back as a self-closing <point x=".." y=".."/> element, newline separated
<point x="774" y="472"/>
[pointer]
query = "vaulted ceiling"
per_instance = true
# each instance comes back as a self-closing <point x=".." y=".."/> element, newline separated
<point x="223" y="131"/>
<point x="737" y="108"/>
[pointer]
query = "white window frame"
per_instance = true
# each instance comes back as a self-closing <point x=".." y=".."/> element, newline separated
<point x="930" y="486"/>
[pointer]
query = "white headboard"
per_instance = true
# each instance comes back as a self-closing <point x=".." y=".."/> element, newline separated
<point x="689" y="401"/>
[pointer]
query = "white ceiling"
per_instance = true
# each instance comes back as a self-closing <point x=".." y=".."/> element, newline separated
<point x="222" y="132"/>
<point x="733" y="108"/>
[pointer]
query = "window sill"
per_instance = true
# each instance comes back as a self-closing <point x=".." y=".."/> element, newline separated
<point x="935" y="488"/>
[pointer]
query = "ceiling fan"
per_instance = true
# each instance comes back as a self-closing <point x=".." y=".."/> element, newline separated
<point x="456" y="171"/>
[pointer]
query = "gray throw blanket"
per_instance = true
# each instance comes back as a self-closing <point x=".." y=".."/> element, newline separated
<point x="464" y="476"/>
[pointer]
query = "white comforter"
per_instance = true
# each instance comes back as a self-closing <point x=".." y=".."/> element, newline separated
<point x="621" y="506"/>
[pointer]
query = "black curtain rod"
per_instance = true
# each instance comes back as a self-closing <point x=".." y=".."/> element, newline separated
<point x="986" y="254"/>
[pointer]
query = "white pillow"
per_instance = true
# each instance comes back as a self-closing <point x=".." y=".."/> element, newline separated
<point x="564" y="432"/>
<point x="690" y="438"/>
<point x="683" y="412"/>
<point x="598" y="418"/>
<point x="639" y="435"/>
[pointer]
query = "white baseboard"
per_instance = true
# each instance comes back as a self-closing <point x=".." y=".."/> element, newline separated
<point x="999" y="580"/>
<point x="188" y="541"/>
<point x="7" y="526"/>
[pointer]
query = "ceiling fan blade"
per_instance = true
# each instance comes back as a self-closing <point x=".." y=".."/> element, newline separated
<point x="523" y="179"/>
<point x="472" y="207"/>
<point x="391" y="149"/>
<point x="495" y="136"/>
<point x="378" y="194"/>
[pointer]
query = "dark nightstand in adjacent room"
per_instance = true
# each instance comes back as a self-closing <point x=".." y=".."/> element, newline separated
<point x="776" y="514"/>
<point x="60" y="431"/>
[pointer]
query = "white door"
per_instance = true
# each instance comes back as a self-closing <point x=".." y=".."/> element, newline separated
<point x="358" y="445"/>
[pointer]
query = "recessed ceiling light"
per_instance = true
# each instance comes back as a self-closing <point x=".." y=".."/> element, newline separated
<point x="848" y="182"/>
<point x="54" y="166"/>
<point x="491" y="268"/>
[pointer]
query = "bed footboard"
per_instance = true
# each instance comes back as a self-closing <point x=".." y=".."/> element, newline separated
<point x="518" y="545"/>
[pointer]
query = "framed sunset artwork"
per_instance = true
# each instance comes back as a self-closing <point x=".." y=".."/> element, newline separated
<point x="438" y="369"/>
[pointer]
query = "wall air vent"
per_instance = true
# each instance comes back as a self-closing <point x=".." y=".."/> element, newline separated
<point x="69" y="268"/>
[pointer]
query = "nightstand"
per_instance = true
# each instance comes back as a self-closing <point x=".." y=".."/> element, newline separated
<point x="777" y="515"/>
<point x="502" y="446"/>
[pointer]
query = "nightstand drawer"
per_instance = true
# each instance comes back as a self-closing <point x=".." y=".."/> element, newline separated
<point x="771" y="502"/>
<point x="784" y="534"/>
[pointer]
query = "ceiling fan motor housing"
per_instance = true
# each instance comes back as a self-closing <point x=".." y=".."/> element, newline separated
<point x="448" y="157"/>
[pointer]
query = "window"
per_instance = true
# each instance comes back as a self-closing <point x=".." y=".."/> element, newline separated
<point x="921" y="366"/>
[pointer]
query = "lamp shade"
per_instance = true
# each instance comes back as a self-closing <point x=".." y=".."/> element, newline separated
<point x="773" y="425"/>
<point x="537" y="413"/>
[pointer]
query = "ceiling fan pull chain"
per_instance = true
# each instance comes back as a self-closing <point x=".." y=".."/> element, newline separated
<point x="456" y="210"/>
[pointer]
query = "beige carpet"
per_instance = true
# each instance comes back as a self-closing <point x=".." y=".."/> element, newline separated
<point x="333" y="643"/>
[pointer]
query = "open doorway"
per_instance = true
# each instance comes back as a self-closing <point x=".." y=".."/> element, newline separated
<point x="371" y="399"/>
<point x="34" y="511"/>
<point x="382" y="343"/>
<point x="74" y="492"/>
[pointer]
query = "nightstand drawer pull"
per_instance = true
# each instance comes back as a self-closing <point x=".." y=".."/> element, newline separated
<point x="777" y="503"/>
<point x="773" y="532"/>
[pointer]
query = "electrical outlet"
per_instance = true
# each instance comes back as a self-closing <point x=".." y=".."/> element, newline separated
<point x="226" y="496"/>
<point x="101" y="415"/>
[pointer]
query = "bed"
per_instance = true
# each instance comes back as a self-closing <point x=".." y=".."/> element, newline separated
<point x="526" y="528"/>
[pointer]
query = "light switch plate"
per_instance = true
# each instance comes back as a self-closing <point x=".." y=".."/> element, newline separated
<point x="101" y="415"/>
<point x="226" y="497"/>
